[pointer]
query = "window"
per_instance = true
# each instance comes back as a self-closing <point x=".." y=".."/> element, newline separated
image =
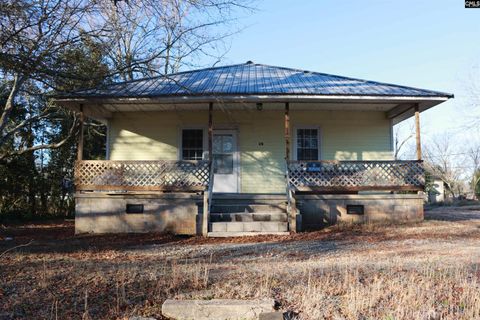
<point x="307" y="144"/>
<point x="192" y="144"/>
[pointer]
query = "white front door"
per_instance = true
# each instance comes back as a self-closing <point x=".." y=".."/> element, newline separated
<point x="225" y="161"/>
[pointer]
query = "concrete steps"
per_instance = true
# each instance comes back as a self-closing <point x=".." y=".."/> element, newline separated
<point x="251" y="226"/>
<point x="248" y="207"/>
<point x="249" y="217"/>
<point x="242" y="215"/>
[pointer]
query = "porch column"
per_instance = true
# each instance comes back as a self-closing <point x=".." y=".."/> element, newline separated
<point x="292" y="206"/>
<point x="210" y="131"/>
<point x="208" y="193"/>
<point x="287" y="132"/>
<point x="80" y="138"/>
<point x="417" y="128"/>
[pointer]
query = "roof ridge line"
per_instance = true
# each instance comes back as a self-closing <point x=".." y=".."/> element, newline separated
<point x="201" y="69"/>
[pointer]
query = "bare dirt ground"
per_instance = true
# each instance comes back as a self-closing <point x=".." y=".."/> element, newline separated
<point x="428" y="270"/>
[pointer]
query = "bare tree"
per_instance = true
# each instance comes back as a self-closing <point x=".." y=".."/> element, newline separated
<point x="148" y="37"/>
<point x="474" y="157"/>
<point x="142" y="37"/>
<point x="34" y="36"/>
<point x="138" y="38"/>
<point x="442" y="160"/>
<point x="403" y="133"/>
<point x="470" y="110"/>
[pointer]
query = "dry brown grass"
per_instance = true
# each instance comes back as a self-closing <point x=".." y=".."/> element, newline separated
<point x="429" y="270"/>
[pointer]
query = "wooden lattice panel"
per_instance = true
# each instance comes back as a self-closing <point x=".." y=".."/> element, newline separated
<point x="141" y="175"/>
<point x="356" y="175"/>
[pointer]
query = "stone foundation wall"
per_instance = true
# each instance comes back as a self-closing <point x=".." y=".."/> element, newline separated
<point x="176" y="213"/>
<point x="321" y="210"/>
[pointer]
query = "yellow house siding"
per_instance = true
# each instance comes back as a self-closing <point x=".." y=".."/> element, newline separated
<point x="349" y="135"/>
<point x="262" y="152"/>
<point x="261" y="144"/>
<point x="149" y="135"/>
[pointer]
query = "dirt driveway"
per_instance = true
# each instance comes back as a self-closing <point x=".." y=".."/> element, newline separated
<point x="427" y="270"/>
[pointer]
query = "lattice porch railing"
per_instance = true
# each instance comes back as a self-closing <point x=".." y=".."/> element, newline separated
<point x="145" y="175"/>
<point x="356" y="175"/>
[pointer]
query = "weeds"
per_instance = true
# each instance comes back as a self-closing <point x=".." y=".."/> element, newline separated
<point x="361" y="272"/>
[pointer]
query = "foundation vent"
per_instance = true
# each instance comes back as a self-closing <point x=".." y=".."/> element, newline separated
<point x="355" y="209"/>
<point x="134" y="208"/>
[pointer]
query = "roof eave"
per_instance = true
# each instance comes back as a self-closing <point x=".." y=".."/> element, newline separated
<point x="249" y="98"/>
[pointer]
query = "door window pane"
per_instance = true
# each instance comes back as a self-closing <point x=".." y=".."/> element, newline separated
<point x="223" y="150"/>
<point x="227" y="144"/>
<point x="217" y="144"/>
<point x="192" y="144"/>
<point x="307" y="144"/>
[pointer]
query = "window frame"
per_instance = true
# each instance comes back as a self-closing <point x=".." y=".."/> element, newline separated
<point x="295" y="144"/>
<point x="204" y="142"/>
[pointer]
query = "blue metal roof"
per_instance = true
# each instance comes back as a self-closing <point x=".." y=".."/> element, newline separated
<point x="252" y="79"/>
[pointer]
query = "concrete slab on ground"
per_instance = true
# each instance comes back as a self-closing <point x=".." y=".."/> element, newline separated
<point x="271" y="316"/>
<point x="216" y="309"/>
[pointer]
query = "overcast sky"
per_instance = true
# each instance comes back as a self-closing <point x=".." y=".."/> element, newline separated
<point x="431" y="44"/>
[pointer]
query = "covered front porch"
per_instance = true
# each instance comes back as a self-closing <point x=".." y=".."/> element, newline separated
<point x="189" y="185"/>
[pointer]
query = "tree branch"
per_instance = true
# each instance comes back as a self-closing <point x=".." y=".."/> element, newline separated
<point x="18" y="80"/>
<point x="55" y="145"/>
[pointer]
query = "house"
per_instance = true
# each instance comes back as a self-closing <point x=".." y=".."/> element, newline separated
<point x="291" y="150"/>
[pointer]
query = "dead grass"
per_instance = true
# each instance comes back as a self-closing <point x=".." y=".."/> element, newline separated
<point x="429" y="270"/>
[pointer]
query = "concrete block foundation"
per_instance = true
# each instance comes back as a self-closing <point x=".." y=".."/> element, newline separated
<point x="97" y="212"/>
<point x="181" y="213"/>
<point x="322" y="210"/>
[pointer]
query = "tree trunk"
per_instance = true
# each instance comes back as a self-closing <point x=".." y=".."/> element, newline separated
<point x="9" y="104"/>
<point x="31" y="168"/>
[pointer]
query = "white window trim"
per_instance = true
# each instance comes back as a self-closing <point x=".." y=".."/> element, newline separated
<point x="204" y="141"/>
<point x="319" y="142"/>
